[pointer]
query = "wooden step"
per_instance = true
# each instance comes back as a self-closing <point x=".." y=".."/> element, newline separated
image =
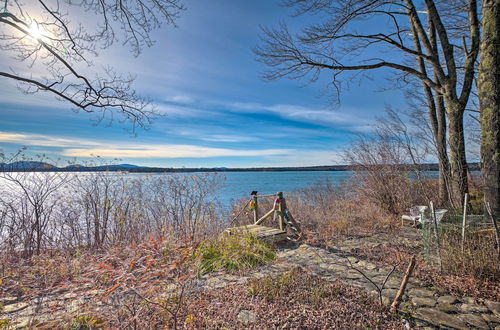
<point x="267" y="234"/>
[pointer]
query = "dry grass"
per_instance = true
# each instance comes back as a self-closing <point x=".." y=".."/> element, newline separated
<point x="294" y="300"/>
<point x="328" y="211"/>
<point x="233" y="253"/>
<point x="479" y="259"/>
<point x="132" y="265"/>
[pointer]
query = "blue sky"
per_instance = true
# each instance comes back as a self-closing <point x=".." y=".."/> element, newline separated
<point x="219" y="112"/>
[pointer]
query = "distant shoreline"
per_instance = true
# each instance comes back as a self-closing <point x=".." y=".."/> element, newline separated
<point x="44" y="167"/>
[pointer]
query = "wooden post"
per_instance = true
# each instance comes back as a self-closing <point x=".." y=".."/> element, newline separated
<point x="282" y="211"/>
<point x="464" y="221"/>
<point x="437" y="237"/>
<point x="256" y="207"/>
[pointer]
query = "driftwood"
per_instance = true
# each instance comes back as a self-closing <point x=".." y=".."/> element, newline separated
<point x="402" y="287"/>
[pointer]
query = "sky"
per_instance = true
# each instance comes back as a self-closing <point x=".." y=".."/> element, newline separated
<point x="219" y="112"/>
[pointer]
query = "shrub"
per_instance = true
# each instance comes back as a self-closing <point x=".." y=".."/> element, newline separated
<point x="478" y="259"/>
<point x="233" y="253"/>
<point x="327" y="211"/>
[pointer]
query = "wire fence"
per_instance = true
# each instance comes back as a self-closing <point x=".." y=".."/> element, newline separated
<point x="461" y="243"/>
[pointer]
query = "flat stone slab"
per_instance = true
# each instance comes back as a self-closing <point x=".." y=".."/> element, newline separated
<point x="436" y="317"/>
<point x="423" y="302"/>
<point x="447" y="300"/>
<point x="475" y="321"/>
<point x="493" y="306"/>
<point x="421" y="292"/>
<point x="267" y="234"/>
<point x="448" y="308"/>
<point x="473" y="308"/>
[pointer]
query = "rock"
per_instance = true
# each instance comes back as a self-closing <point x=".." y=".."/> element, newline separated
<point x="352" y="260"/>
<point x="393" y="282"/>
<point x="215" y="283"/>
<point x="470" y="300"/>
<point x="362" y="263"/>
<point x="437" y="317"/>
<point x="336" y="268"/>
<point x="352" y="275"/>
<point x="246" y="316"/>
<point x="14" y="307"/>
<point x="229" y="278"/>
<point x="474" y="320"/>
<point x="447" y="300"/>
<point x="8" y="301"/>
<point x="367" y="285"/>
<point x="371" y="266"/>
<point x="75" y="305"/>
<point x="448" y="308"/>
<point x="23" y="323"/>
<point x="70" y="295"/>
<point x="491" y="318"/>
<point x="470" y="308"/>
<point x="423" y="302"/>
<point x="493" y="306"/>
<point x="390" y="293"/>
<point x="421" y="292"/>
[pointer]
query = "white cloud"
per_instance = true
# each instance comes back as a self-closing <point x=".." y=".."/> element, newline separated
<point x="342" y="117"/>
<point x="87" y="148"/>
<point x="308" y="158"/>
<point x="29" y="139"/>
<point x="180" y="98"/>
<point x="170" y="151"/>
<point x="228" y="138"/>
<point x="180" y="111"/>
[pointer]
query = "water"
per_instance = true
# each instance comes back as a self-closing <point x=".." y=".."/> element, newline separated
<point x="241" y="184"/>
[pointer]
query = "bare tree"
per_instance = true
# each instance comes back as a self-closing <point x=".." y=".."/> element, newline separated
<point x="29" y="200"/>
<point x="377" y="158"/>
<point x="339" y="44"/>
<point x="61" y="37"/>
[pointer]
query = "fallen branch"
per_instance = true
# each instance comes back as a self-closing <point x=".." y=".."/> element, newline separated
<point x="402" y="287"/>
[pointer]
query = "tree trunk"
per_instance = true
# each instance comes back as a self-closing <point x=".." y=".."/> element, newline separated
<point x="437" y="116"/>
<point x="441" y="146"/>
<point x="489" y="99"/>
<point x="458" y="161"/>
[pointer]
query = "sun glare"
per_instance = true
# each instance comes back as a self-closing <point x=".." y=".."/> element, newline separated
<point x="35" y="31"/>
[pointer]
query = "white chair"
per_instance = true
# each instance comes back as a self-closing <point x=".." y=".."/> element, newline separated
<point x="421" y="214"/>
<point x="417" y="214"/>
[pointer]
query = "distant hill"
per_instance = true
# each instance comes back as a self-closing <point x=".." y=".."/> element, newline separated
<point x="41" y="166"/>
<point x="27" y="165"/>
